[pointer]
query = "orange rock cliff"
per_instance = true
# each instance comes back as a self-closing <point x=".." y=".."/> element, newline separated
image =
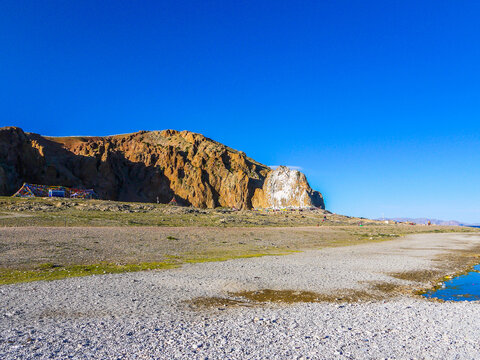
<point x="147" y="165"/>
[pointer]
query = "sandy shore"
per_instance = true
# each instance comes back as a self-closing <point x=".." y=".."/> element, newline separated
<point x="151" y="314"/>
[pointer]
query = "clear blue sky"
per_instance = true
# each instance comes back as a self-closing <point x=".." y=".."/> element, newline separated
<point x="377" y="101"/>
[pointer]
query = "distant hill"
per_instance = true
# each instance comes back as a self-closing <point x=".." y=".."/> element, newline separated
<point x="433" y="221"/>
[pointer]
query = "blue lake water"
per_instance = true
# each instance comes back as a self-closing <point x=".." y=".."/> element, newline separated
<point x="461" y="288"/>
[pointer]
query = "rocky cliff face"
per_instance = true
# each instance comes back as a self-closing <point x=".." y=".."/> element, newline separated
<point x="145" y="166"/>
<point x="286" y="188"/>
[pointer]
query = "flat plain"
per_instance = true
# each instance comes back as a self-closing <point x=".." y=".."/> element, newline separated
<point x="226" y="284"/>
<point x="56" y="238"/>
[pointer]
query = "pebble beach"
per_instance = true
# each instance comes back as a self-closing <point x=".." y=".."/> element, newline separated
<point x="152" y="315"/>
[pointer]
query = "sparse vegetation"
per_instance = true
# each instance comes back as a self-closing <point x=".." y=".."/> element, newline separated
<point x="50" y="271"/>
<point x="95" y="237"/>
<point x="266" y="296"/>
<point x="97" y="213"/>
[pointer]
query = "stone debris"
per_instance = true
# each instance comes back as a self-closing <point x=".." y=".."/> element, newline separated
<point x="65" y="319"/>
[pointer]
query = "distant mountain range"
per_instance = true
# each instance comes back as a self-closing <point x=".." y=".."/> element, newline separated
<point x="433" y="221"/>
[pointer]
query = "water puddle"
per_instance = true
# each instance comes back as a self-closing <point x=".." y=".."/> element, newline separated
<point x="461" y="288"/>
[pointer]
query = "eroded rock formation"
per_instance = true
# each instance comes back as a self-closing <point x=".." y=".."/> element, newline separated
<point x="284" y="187"/>
<point x="147" y="165"/>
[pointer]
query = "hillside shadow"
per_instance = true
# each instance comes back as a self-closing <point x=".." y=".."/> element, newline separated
<point x="111" y="176"/>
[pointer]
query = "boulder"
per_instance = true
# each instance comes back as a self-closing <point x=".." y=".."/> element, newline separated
<point x="283" y="188"/>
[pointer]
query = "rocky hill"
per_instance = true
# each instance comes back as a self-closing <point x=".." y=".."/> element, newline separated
<point x="147" y="165"/>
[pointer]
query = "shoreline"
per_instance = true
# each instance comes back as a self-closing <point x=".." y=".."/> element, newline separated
<point x="151" y="313"/>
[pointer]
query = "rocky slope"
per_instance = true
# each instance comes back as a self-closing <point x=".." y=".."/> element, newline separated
<point x="147" y="165"/>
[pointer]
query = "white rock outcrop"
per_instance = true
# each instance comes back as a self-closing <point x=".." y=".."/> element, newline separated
<point x="284" y="187"/>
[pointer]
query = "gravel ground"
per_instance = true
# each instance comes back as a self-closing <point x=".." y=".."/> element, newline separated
<point x="31" y="246"/>
<point x="147" y="315"/>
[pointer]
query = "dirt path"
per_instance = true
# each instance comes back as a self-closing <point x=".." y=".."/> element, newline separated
<point x="29" y="247"/>
<point x="409" y="262"/>
<point x="12" y="215"/>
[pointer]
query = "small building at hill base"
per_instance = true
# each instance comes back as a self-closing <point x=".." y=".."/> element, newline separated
<point x="34" y="190"/>
<point x="56" y="193"/>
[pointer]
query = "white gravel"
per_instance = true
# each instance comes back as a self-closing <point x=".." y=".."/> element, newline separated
<point x="144" y="316"/>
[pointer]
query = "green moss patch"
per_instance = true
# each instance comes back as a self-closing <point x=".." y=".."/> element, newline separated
<point x="55" y="272"/>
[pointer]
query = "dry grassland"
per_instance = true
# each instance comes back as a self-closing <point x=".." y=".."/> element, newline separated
<point x="44" y="239"/>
